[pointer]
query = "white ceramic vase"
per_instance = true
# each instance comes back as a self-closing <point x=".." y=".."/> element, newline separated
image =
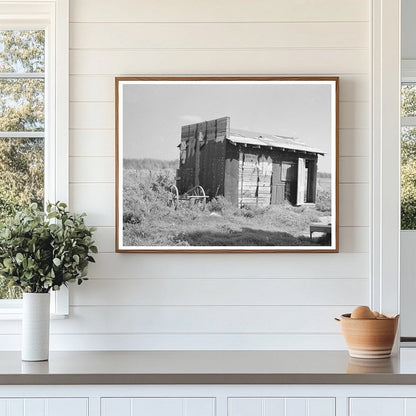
<point x="35" y="326"/>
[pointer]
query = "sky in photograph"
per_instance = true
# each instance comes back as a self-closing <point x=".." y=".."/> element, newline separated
<point x="154" y="114"/>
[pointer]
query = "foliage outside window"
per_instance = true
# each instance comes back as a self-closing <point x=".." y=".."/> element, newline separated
<point x="22" y="125"/>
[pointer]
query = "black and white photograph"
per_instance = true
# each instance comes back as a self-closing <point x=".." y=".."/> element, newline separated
<point x="227" y="164"/>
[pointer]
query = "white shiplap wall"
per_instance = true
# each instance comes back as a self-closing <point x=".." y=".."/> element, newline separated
<point x="218" y="301"/>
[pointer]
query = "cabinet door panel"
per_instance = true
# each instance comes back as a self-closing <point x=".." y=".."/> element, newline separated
<point x="34" y="407"/>
<point x="377" y="407"/>
<point x="157" y="407"/>
<point x="296" y="407"/>
<point x="199" y="407"/>
<point x="273" y="406"/>
<point x="115" y="407"/>
<point x="160" y="406"/>
<point x="67" y="407"/>
<point x="44" y="407"/>
<point x="410" y="406"/>
<point x="319" y="407"/>
<point x="245" y="407"/>
<point x="11" y="407"/>
<point x="16" y="407"/>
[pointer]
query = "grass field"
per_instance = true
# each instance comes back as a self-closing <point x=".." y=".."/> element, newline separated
<point x="148" y="220"/>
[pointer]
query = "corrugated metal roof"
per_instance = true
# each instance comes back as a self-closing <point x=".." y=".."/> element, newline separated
<point x="270" y="140"/>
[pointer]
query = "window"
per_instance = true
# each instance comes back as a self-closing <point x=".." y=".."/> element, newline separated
<point x="408" y="155"/>
<point x="33" y="111"/>
<point x="22" y="124"/>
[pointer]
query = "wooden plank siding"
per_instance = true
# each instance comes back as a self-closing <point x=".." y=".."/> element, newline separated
<point x="208" y="157"/>
<point x="202" y="156"/>
<point x="260" y="177"/>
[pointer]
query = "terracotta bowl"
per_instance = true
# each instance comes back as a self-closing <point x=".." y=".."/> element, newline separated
<point x="369" y="338"/>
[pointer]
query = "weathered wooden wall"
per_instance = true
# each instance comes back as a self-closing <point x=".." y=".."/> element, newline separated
<point x="204" y="160"/>
<point x="231" y="174"/>
<point x="260" y="176"/>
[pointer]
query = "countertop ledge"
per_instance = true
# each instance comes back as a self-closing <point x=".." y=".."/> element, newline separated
<point x="207" y="367"/>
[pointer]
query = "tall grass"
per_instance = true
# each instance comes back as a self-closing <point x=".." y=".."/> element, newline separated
<point x="149" y="219"/>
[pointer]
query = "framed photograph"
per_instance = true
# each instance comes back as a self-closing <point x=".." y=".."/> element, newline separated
<point x="227" y="164"/>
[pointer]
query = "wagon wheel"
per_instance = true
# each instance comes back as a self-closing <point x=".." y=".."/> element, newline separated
<point x="198" y="195"/>
<point x="173" y="197"/>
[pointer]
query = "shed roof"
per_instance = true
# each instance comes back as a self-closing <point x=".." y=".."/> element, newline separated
<point x="270" y="140"/>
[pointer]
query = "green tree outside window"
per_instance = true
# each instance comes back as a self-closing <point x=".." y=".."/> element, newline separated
<point x="22" y="124"/>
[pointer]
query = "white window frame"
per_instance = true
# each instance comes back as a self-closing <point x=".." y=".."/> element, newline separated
<point x="407" y="236"/>
<point x="53" y="17"/>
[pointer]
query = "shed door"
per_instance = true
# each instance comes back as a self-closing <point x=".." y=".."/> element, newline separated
<point x="302" y="181"/>
<point x="248" y="179"/>
<point x="265" y="181"/>
<point x="255" y="175"/>
<point x="289" y="176"/>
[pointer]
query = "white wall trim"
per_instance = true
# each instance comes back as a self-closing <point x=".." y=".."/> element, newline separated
<point x="385" y="282"/>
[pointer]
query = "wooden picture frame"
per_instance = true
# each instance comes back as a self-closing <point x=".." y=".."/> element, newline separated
<point x="193" y="175"/>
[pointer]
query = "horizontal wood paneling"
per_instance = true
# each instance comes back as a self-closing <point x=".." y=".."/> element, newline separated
<point x="354" y="169"/>
<point x="354" y="208"/>
<point x="270" y="37"/>
<point x="92" y="88"/>
<point x="218" y="11"/>
<point x="220" y="291"/>
<point x="101" y="88"/>
<point x="93" y="143"/>
<point x="354" y="142"/>
<point x="229" y="61"/>
<point x="354" y="115"/>
<point x="205" y="266"/>
<point x="194" y="320"/>
<point x="92" y="169"/>
<point x="81" y="115"/>
<point x="104" y="238"/>
<point x="146" y="342"/>
<point x="96" y="199"/>
<point x="201" y="319"/>
<point x="354" y="239"/>
<point x="218" y="35"/>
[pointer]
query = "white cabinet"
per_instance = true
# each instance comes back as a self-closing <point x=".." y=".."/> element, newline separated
<point x="146" y="406"/>
<point x="44" y="407"/>
<point x="281" y="406"/>
<point x="382" y="406"/>
<point x="208" y="400"/>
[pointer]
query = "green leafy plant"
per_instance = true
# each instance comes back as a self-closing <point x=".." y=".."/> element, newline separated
<point x="43" y="251"/>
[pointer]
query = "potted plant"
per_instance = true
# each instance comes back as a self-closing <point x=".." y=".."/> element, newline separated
<point x="40" y="252"/>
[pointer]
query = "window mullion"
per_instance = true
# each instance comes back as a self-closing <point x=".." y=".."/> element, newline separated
<point x="22" y="75"/>
<point x="408" y="121"/>
<point x="22" y="134"/>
